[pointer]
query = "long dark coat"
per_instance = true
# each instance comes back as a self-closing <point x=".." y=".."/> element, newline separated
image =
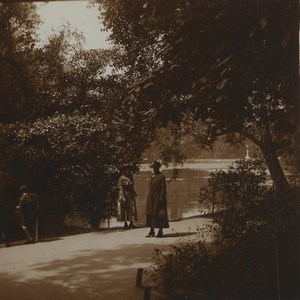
<point x="157" y="201"/>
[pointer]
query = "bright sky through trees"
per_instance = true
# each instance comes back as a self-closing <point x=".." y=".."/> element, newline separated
<point x="79" y="14"/>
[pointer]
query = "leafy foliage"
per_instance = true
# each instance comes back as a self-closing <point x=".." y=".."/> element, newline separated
<point x="242" y="182"/>
<point x="247" y="217"/>
<point x="63" y="129"/>
<point x="18" y="22"/>
<point x="248" y="249"/>
<point x="180" y="269"/>
<point x="230" y="66"/>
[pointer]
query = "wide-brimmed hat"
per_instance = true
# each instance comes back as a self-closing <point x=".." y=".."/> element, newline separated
<point x="155" y="164"/>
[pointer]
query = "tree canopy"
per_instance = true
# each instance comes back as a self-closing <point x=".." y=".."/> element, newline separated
<point x="230" y="66"/>
<point x="62" y="128"/>
<point x="210" y="67"/>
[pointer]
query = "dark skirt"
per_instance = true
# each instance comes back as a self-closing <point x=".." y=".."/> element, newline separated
<point x="156" y="222"/>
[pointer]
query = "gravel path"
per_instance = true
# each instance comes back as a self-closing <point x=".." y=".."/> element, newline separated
<point x="99" y="265"/>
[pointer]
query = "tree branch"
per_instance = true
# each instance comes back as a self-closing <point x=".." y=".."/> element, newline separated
<point x="250" y="137"/>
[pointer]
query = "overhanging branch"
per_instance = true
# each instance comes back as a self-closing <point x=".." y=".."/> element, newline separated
<point x="250" y="137"/>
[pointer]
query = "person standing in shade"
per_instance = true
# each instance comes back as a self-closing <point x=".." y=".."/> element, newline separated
<point x="126" y="210"/>
<point x="156" y="205"/>
<point x="28" y="206"/>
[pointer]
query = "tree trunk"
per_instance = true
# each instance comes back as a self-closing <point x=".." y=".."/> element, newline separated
<point x="281" y="184"/>
<point x="286" y="224"/>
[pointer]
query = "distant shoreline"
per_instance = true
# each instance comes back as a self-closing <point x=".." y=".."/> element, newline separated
<point x="197" y="164"/>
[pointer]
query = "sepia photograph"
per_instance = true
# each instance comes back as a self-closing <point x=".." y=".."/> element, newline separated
<point x="149" y="150"/>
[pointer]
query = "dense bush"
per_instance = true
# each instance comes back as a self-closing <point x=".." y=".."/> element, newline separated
<point x="246" y="218"/>
<point x="183" y="268"/>
<point x="247" y="253"/>
<point x="63" y="128"/>
<point x="71" y="161"/>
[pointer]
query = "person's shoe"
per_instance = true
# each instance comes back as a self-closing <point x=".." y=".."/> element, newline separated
<point x="150" y="234"/>
<point x="125" y="225"/>
<point x="159" y="234"/>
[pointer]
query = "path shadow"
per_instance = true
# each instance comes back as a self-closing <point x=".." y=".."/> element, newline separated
<point x="87" y="274"/>
<point x="23" y="242"/>
<point x="103" y="268"/>
<point x="202" y="216"/>
<point x="46" y="240"/>
<point x="178" y="234"/>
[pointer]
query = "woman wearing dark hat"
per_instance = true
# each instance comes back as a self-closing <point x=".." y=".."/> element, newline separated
<point x="156" y="206"/>
<point x="126" y="210"/>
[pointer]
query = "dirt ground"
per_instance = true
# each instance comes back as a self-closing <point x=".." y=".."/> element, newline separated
<point x="97" y="265"/>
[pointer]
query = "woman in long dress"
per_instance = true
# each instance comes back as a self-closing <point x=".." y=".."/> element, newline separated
<point x="156" y="206"/>
<point x="126" y="210"/>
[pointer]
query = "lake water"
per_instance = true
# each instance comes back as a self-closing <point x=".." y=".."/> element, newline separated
<point x="182" y="193"/>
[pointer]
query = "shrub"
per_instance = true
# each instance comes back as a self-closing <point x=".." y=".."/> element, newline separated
<point x="182" y="268"/>
<point x="240" y="262"/>
<point x="246" y="221"/>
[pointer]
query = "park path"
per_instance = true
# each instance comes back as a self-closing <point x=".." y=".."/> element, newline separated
<point x="98" y="265"/>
